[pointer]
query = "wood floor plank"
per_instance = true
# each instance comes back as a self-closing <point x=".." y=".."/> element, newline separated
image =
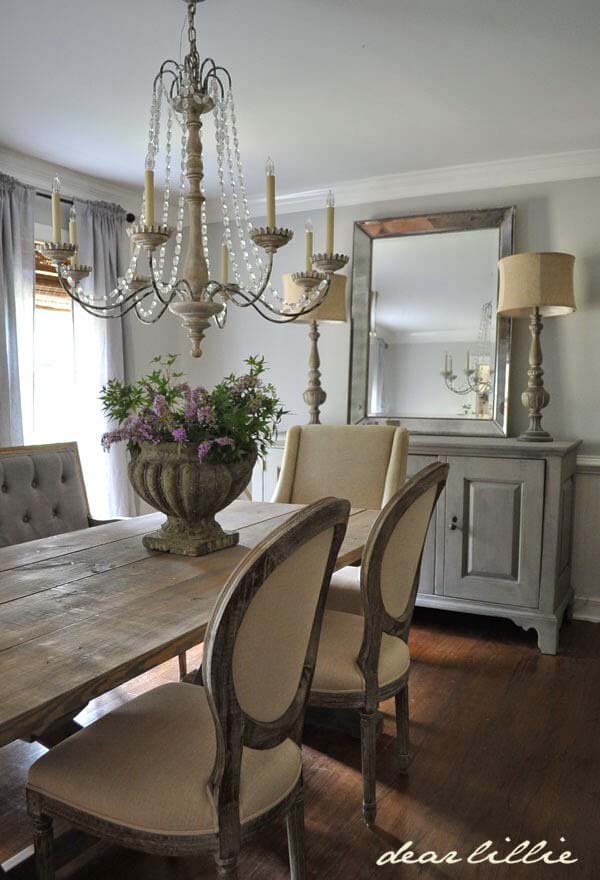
<point x="504" y="743"/>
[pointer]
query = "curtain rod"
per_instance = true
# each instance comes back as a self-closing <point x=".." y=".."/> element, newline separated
<point x="44" y="195"/>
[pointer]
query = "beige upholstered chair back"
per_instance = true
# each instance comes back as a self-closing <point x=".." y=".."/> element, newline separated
<point x="262" y="640"/>
<point x="42" y="492"/>
<point x="364" y="463"/>
<point x="392" y="558"/>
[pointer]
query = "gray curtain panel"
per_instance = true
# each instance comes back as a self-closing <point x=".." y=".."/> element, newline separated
<point x="99" y="356"/>
<point x="16" y="305"/>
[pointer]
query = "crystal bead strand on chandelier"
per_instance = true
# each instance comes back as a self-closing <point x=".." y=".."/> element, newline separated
<point x="192" y="88"/>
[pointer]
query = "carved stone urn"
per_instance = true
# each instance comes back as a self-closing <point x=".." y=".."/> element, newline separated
<point x="171" y="478"/>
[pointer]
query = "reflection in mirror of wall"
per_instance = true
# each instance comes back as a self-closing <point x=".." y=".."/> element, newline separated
<point x="431" y="346"/>
<point x="428" y="348"/>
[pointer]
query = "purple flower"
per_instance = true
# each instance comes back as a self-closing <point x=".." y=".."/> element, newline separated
<point x="224" y="441"/>
<point x="179" y="435"/>
<point x="159" y="405"/>
<point x="204" y="449"/>
<point x="247" y="382"/>
<point x="205" y="415"/>
<point x="111" y="437"/>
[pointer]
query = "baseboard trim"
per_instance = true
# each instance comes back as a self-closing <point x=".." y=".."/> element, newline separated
<point x="586" y="608"/>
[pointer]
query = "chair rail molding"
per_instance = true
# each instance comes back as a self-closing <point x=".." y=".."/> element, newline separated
<point x="498" y="173"/>
<point x="588" y="464"/>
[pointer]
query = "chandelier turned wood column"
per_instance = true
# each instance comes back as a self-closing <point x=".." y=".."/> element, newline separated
<point x="182" y="93"/>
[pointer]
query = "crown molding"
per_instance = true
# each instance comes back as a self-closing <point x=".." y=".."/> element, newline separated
<point x="572" y="165"/>
<point x="39" y="173"/>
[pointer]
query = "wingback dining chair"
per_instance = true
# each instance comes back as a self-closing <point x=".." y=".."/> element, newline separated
<point x="238" y="762"/>
<point x="42" y="493"/>
<point x="364" y="463"/>
<point x="364" y="659"/>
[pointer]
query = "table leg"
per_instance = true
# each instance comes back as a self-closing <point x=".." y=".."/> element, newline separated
<point x="57" y="731"/>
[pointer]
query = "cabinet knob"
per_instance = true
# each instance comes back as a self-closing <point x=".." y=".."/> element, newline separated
<point x="453" y="524"/>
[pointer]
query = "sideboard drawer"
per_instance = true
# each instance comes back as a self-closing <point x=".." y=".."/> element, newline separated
<point x="493" y="534"/>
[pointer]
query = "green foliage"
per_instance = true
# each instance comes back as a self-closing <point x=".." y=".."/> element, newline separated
<point x="237" y="418"/>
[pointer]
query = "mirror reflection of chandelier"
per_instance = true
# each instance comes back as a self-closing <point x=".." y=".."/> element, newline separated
<point x="478" y="372"/>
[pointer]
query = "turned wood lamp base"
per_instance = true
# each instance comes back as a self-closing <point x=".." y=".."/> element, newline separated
<point x="535" y="398"/>
<point x="314" y="396"/>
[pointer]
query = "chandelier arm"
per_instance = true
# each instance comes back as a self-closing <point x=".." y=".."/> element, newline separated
<point x="154" y="319"/>
<point x="303" y="311"/>
<point x="166" y="70"/>
<point x="97" y="309"/>
<point x="282" y="318"/>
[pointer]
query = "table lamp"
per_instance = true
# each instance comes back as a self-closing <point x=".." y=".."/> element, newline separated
<point x="536" y="286"/>
<point x="332" y="310"/>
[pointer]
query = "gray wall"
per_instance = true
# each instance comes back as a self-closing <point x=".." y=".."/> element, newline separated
<point x="555" y="216"/>
<point x="561" y="216"/>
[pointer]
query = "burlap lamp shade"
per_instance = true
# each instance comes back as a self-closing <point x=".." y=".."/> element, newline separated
<point x="543" y="281"/>
<point x="333" y="307"/>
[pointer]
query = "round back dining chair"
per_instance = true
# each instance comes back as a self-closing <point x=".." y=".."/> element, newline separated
<point x="364" y="659"/>
<point x="364" y="463"/>
<point x="236" y="764"/>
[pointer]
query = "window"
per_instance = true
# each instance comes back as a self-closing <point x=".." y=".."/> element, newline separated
<point x="53" y="359"/>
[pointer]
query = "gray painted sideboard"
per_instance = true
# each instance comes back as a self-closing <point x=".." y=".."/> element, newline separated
<point x="500" y="543"/>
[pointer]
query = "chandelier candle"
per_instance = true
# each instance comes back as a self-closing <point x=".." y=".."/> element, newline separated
<point x="270" y="172"/>
<point x="73" y="233"/>
<point x="183" y="92"/>
<point x="330" y="222"/>
<point x="309" y="245"/>
<point x="149" y="192"/>
<point x="56" y="224"/>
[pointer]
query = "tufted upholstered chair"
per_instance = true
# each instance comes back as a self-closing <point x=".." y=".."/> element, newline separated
<point x="42" y="492"/>
<point x="364" y="659"/>
<point x="364" y="463"/>
<point x="237" y="763"/>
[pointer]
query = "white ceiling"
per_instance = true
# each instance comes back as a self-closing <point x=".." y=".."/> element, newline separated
<point x="333" y="89"/>
<point x="430" y="288"/>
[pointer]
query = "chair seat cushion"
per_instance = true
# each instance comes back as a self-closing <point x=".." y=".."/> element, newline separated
<point x="337" y="668"/>
<point x="147" y="765"/>
<point x="344" y="591"/>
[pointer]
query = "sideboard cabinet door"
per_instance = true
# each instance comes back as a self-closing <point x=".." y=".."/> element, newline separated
<point x="494" y="515"/>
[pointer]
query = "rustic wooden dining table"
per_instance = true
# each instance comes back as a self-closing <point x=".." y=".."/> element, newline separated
<point x="84" y="612"/>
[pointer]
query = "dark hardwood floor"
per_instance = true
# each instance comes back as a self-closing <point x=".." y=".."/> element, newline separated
<point x="506" y="743"/>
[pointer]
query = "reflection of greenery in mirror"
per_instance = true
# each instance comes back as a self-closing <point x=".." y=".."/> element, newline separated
<point x="432" y="336"/>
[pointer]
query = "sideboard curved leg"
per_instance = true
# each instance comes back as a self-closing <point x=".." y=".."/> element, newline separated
<point x="547" y="631"/>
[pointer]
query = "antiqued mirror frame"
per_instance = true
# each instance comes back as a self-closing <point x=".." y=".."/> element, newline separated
<point x="365" y="233"/>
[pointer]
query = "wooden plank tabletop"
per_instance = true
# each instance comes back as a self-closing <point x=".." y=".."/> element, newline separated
<point x="82" y="613"/>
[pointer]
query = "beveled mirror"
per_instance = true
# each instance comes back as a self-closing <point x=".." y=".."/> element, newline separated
<point x="428" y="350"/>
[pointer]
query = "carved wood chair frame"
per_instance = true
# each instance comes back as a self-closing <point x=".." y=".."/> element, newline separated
<point x="234" y="728"/>
<point x="377" y="621"/>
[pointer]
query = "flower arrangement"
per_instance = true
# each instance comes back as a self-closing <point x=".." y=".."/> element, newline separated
<point x="235" y="420"/>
